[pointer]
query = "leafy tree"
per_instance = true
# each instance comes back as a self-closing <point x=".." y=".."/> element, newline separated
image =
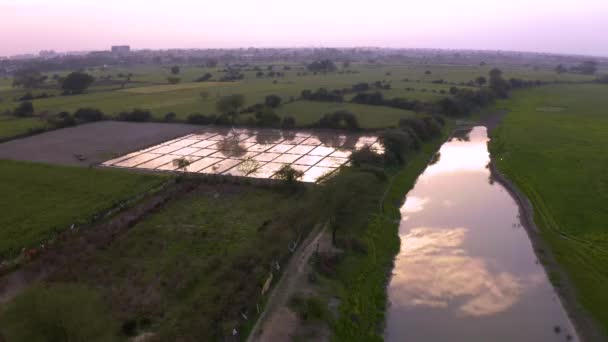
<point x="339" y="119"/>
<point x="288" y="122"/>
<point x="28" y="78"/>
<point x="397" y="145"/>
<point x="175" y="69"/>
<point x="204" y="78"/>
<point x="498" y="84"/>
<point x="481" y="81"/>
<point x="289" y="174"/>
<point x="560" y="69"/>
<point x="88" y="114"/>
<point x="273" y="101"/>
<point x="230" y="105"/>
<point x="181" y="164"/>
<point x="344" y="197"/>
<point x="267" y="118"/>
<point x="211" y="62"/>
<point x="76" y="82"/>
<point x="587" y="67"/>
<point x="24" y="109"/>
<point x="324" y="65"/>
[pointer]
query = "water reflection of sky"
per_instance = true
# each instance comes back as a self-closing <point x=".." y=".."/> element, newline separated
<point x="435" y="271"/>
<point x="465" y="272"/>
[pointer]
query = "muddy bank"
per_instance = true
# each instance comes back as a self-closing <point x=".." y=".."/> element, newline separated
<point x="586" y="326"/>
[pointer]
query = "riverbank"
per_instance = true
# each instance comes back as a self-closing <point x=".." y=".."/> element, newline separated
<point x="587" y="328"/>
<point x="364" y="299"/>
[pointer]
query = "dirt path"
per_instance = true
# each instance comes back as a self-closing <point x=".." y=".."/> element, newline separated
<point x="81" y="244"/>
<point x="277" y="322"/>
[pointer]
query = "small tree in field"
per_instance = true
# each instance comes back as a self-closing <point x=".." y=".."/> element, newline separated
<point x="289" y="174"/>
<point x="230" y="105"/>
<point x="77" y="82"/>
<point x="181" y="164"/>
<point x="173" y="80"/>
<point x="175" y="69"/>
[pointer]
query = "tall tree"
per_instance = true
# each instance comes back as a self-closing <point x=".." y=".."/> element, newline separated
<point x="480" y="81"/>
<point x="498" y="84"/>
<point x="28" y="78"/>
<point x="77" y="82"/>
<point x="230" y="105"/>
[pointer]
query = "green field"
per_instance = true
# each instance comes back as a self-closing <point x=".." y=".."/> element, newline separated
<point x="11" y="126"/>
<point x="553" y="145"/>
<point x="38" y="200"/>
<point x="148" y="89"/>
<point x="189" y="270"/>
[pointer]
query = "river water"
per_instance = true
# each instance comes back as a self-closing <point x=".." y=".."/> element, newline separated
<point x="466" y="270"/>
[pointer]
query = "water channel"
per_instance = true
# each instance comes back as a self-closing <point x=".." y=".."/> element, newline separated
<point x="467" y="270"/>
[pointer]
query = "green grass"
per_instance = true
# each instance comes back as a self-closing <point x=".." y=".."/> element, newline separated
<point x="149" y="88"/>
<point x="38" y="200"/>
<point x="191" y="268"/>
<point x="308" y="112"/>
<point x="559" y="160"/>
<point x="12" y="126"/>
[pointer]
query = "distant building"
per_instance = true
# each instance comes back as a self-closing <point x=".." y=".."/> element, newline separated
<point x="121" y="49"/>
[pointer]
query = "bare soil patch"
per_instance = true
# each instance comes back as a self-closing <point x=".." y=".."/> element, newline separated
<point x="93" y="143"/>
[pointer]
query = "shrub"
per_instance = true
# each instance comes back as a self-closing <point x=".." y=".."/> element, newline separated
<point x="322" y="94"/>
<point x="58" y="312"/>
<point x="339" y="119"/>
<point x="375" y="98"/>
<point x="397" y="145"/>
<point x="200" y="119"/>
<point x="365" y="156"/>
<point x="288" y="122"/>
<point x="205" y="77"/>
<point x="289" y="174"/>
<point x="63" y="119"/>
<point x="136" y="115"/>
<point x="267" y="118"/>
<point x="24" y="109"/>
<point x="272" y="101"/>
<point x="170" y="117"/>
<point x="76" y="83"/>
<point x="88" y="114"/>
<point x="417" y="125"/>
<point x="173" y="79"/>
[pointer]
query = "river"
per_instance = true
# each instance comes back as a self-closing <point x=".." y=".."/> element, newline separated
<point x="466" y="270"/>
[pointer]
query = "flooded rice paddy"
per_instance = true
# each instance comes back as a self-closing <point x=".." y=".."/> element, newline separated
<point x="250" y="153"/>
<point x="466" y="270"/>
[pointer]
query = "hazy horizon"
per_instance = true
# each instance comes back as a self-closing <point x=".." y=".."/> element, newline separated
<point x="547" y="26"/>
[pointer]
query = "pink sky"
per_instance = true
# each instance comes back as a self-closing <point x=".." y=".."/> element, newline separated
<point x="578" y="27"/>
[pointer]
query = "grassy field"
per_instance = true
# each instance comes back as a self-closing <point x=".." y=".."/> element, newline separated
<point x="553" y="145"/>
<point x="39" y="200"/>
<point x="189" y="271"/>
<point x="11" y="126"/>
<point x="307" y="112"/>
<point x="148" y="89"/>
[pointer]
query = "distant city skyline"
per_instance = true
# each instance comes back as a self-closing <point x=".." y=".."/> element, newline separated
<point x="549" y="26"/>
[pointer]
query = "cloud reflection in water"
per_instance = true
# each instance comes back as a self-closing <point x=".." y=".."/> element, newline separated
<point x="433" y="270"/>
